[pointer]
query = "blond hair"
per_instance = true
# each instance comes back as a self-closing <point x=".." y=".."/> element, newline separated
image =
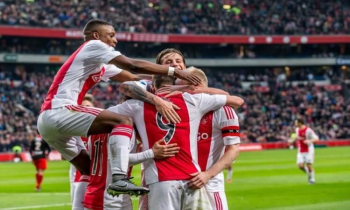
<point x="200" y="73"/>
<point x="88" y="97"/>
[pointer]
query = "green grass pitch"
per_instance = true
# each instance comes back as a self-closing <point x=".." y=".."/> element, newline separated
<point x="266" y="180"/>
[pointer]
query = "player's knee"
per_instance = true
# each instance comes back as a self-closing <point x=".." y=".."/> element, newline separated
<point x="82" y="162"/>
<point x="126" y="121"/>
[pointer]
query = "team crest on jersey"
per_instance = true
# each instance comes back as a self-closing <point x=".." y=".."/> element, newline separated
<point x="96" y="78"/>
<point x="204" y="120"/>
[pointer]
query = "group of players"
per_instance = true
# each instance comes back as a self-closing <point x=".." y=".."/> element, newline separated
<point x="188" y="133"/>
<point x="173" y="120"/>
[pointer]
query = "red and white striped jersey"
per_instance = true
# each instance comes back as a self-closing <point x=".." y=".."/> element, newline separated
<point x="152" y="127"/>
<point x="96" y="196"/>
<point x="82" y="70"/>
<point x="216" y="130"/>
<point x="306" y="134"/>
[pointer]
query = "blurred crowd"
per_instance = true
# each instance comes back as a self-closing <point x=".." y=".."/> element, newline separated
<point x="268" y="113"/>
<point x="186" y="17"/>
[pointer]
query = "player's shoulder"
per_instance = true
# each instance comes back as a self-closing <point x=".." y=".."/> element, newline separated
<point x="196" y="97"/>
<point x="308" y="129"/>
<point x="226" y="112"/>
<point x="132" y="103"/>
<point x="96" y="44"/>
<point x="192" y="99"/>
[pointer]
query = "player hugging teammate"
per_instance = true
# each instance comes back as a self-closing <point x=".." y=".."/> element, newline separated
<point x="168" y="128"/>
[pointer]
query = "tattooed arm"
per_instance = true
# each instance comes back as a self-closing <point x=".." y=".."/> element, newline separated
<point x="165" y="108"/>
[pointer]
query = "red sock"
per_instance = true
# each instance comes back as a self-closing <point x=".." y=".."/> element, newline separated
<point x="39" y="179"/>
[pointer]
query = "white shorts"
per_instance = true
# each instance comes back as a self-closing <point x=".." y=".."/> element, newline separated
<point x="175" y="195"/>
<point x="62" y="128"/>
<point x="305" y="157"/>
<point x="218" y="200"/>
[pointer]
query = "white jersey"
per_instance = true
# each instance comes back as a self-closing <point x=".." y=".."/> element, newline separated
<point x="152" y="127"/>
<point x="83" y="69"/>
<point x="217" y="129"/>
<point x="305" y="134"/>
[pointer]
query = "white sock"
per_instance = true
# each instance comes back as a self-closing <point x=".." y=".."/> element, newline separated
<point x="79" y="194"/>
<point x="118" y="152"/>
<point x="312" y="176"/>
<point x="229" y="174"/>
<point x="306" y="169"/>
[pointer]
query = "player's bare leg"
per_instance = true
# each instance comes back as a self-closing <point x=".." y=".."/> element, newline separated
<point x="311" y="173"/>
<point x="121" y="130"/>
<point x="82" y="162"/>
<point x="302" y="167"/>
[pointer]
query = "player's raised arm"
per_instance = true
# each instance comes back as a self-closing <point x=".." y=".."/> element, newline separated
<point x="165" y="108"/>
<point x="145" y="67"/>
<point x="234" y="101"/>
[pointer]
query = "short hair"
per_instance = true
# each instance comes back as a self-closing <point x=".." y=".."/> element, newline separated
<point x="159" y="80"/>
<point x="200" y="73"/>
<point x="88" y="97"/>
<point x="167" y="51"/>
<point x="300" y="121"/>
<point x="92" y="25"/>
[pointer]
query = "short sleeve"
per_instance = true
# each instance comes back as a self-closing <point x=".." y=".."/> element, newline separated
<point x="110" y="71"/>
<point x="227" y="121"/>
<point x="99" y="52"/>
<point x="127" y="108"/>
<point x="206" y="102"/>
<point x="311" y="134"/>
<point x="143" y="84"/>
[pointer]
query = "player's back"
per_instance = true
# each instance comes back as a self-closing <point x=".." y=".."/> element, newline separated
<point x="82" y="70"/>
<point x="152" y="127"/>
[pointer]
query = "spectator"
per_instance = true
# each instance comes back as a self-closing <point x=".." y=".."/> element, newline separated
<point x="192" y="17"/>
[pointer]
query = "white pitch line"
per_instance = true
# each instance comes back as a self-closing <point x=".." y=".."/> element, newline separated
<point x="35" y="207"/>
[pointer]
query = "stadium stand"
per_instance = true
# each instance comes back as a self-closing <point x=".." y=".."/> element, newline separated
<point x="34" y="45"/>
<point x="267" y="115"/>
<point x="186" y="17"/>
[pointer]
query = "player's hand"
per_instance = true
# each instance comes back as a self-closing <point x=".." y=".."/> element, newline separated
<point x="307" y="141"/>
<point x="186" y="75"/>
<point x="199" y="180"/>
<point x="164" y="151"/>
<point x="167" y="110"/>
<point x="299" y="138"/>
